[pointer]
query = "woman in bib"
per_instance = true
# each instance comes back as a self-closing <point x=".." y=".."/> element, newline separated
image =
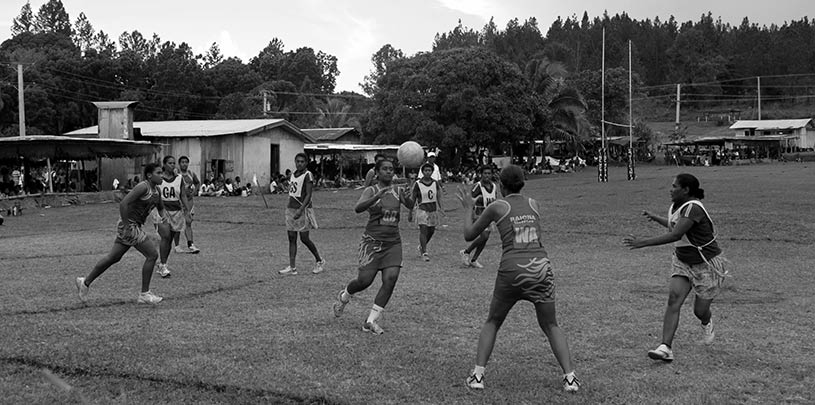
<point x="380" y="249"/>
<point x="485" y="192"/>
<point x="427" y="193"/>
<point x="524" y="273"/>
<point x="697" y="262"/>
<point x="300" y="217"/>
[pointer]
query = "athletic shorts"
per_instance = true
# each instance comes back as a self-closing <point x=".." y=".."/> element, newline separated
<point x="427" y="218"/>
<point x="706" y="278"/>
<point x="305" y="223"/>
<point x="375" y="255"/>
<point x="176" y="220"/>
<point x="528" y="278"/>
<point x="129" y="233"/>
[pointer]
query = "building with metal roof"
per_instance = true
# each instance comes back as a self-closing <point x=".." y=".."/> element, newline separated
<point x="334" y="135"/>
<point x="229" y="148"/>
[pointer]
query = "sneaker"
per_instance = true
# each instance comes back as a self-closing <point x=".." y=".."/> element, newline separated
<point x="476" y="264"/>
<point x="148" y="298"/>
<point x="571" y="383"/>
<point x="425" y="257"/>
<point x="708" y="333"/>
<point x="82" y="289"/>
<point x="163" y="270"/>
<point x="339" y="306"/>
<point x="193" y="249"/>
<point x="289" y="270"/>
<point x="181" y="249"/>
<point x="662" y="353"/>
<point x="373" y="328"/>
<point x="475" y="382"/>
<point x="465" y="257"/>
<point x="319" y="267"/>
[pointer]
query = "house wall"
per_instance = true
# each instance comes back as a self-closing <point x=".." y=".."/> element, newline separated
<point x="258" y="157"/>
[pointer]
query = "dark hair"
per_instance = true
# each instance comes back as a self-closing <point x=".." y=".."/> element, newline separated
<point x="379" y="156"/>
<point x="484" y="167"/>
<point x="149" y="169"/>
<point x="301" y="154"/>
<point x="690" y="182"/>
<point x="379" y="164"/>
<point x="512" y="178"/>
<point x="166" y="158"/>
<point x="183" y="158"/>
<point x="428" y="165"/>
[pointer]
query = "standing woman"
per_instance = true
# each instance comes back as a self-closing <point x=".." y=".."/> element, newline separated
<point x="427" y="193"/>
<point x="697" y="262"/>
<point x="485" y="192"/>
<point x="300" y="217"/>
<point x="381" y="247"/>
<point x="175" y="202"/>
<point x="133" y="211"/>
<point x="524" y="272"/>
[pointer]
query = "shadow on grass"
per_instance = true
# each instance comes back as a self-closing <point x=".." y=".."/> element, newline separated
<point x="241" y="394"/>
<point x="132" y="302"/>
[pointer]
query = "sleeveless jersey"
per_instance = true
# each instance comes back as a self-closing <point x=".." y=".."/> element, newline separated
<point x="171" y="193"/>
<point x="487" y="197"/>
<point x="520" y="229"/>
<point x="139" y="209"/>
<point x="383" y="217"/>
<point x="427" y="195"/>
<point x="297" y="185"/>
<point x="698" y="244"/>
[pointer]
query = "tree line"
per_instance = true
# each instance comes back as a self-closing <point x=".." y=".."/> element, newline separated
<point x="485" y="88"/>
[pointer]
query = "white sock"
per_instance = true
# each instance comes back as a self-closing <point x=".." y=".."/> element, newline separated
<point x="346" y="296"/>
<point x="376" y="310"/>
<point x="479" y="370"/>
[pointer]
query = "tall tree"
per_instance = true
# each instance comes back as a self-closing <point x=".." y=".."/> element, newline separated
<point x="52" y="17"/>
<point x="24" y="22"/>
<point x="84" y="34"/>
<point x="385" y="55"/>
<point x="335" y="113"/>
<point x="213" y="56"/>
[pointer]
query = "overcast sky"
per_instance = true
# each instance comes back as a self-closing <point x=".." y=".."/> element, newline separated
<point x="353" y="30"/>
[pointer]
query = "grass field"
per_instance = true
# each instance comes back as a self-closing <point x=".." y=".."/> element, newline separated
<point x="231" y="330"/>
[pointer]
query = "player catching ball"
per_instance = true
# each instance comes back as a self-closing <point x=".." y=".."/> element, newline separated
<point x="524" y="273"/>
<point x="697" y="261"/>
<point x="133" y="211"/>
<point x="381" y="247"/>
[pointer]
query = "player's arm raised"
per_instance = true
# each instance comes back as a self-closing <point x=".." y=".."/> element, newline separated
<point x="682" y="227"/>
<point x="490" y="214"/>
<point x="369" y="197"/>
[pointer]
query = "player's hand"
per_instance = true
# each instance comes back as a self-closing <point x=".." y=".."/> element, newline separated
<point x="633" y="242"/>
<point x="649" y="215"/>
<point x="298" y="214"/>
<point x="467" y="200"/>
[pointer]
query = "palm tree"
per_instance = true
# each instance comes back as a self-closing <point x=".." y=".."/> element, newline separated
<point x="561" y="108"/>
<point x="335" y="113"/>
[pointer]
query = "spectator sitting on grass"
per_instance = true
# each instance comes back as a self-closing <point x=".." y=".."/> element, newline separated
<point x="207" y="189"/>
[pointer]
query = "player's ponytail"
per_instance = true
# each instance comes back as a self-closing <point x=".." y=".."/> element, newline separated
<point x="690" y="182"/>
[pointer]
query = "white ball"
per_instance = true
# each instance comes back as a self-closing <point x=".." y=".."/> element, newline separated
<point x="410" y="155"/>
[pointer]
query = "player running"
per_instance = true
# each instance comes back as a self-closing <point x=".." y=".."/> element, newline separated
<point x="697" y="261"/>
<point x="524" y="273"/>
<point x="485" y="192"/>
<point x="380" y="249"/>
<point x="175" y="202"/>
<point x="427" y="194"/>
<point x="133" y="211"/>
<point x="300" y="217"/>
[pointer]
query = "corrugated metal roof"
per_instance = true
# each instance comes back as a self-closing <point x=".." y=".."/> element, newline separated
<point x="348" y="146"/>
<point x="202" y="128"/>
<point x="63" y="147"/>
<point x="328" y="134"/>
<point x="764" y="125"/>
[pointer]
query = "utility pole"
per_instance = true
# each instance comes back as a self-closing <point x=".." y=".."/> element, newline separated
<point x="678" y="90"/>
<point x="758" y="87"/>
<point x="21" y="98"/>
<point x="265" y="105"/>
